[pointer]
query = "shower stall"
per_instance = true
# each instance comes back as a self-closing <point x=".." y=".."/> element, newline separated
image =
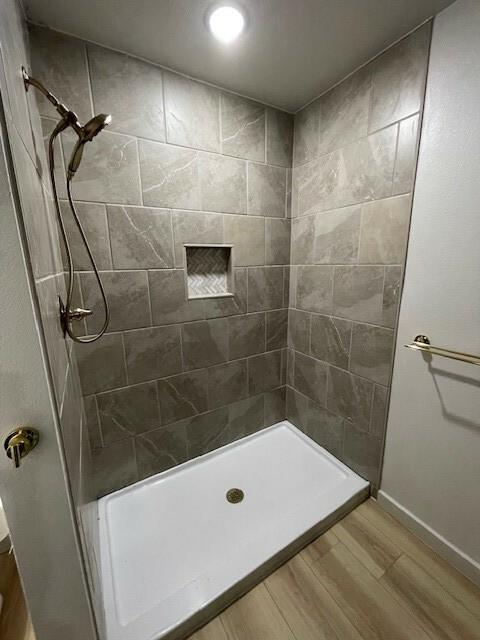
<point x="219" y="283"/>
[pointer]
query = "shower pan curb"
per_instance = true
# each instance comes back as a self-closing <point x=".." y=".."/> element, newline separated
<point x="250" y="506"/>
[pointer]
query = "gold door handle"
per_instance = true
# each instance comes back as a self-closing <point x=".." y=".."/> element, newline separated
<point x="20" y="442"/>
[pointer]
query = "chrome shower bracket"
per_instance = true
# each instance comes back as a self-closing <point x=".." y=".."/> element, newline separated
<point x="66" y="318"/>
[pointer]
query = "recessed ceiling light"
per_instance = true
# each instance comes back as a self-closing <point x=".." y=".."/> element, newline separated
<point x="226" y="23"/>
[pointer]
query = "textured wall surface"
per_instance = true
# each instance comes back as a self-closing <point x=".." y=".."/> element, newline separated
<point x="354" y="164"/>
<point x="182" y="162"/>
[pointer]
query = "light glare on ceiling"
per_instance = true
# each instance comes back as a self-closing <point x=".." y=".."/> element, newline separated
<point x="226" y="23"/>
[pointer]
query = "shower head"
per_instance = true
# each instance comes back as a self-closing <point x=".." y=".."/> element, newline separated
<point x="86" y="134"/>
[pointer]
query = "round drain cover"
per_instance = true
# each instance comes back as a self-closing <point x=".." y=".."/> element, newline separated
<point x="235" y="495"/>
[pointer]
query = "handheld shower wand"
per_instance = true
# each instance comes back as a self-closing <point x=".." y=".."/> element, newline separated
<point x="85" y="134"/>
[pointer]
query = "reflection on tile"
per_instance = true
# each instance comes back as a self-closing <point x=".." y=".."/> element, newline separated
<point x="152" y="353"/>
<point x="129" y="89"/>
<point x="331" y="340"/>
<point x="391" y="294"/>
<point x="127" y="296"/>
<point x="109" y="169"/>
<point x="205" y="343"/>
<point x="266" y="190"/>
<point x="195" y="227"/>
<point x="310" y="377"/>
<point x="277" y="244"/>
<point x="223" y="184"/>
<point x="314" y="288"/>
<point x="279" y="137"/>
<point x="93" y="219"/>
<point x="141" y="238"/>
<point x="303" y="237"/>
<point x="126" y="412"/>
<point x="93" y="425"/>
<point x="358" y="293"/>
<point x="307" y="133"/>
<point x="114" y="467"/>
<point x="243" y="127"/>
<point x="406" y="160"/>
<point x="227" y="383"/>
<point x="265" y="288"/>
<point x="385" y="231"/>
<point x="350" y="397"/>
<point x="337" y="235"/>
<point x="247" y="234"/>
<point x="299" y="330"/>
<point x="192" y="113"/>
<point x="277" y="325"/>
<point x="169" y="176"/>
<point x="372" y="350"/>
<point x="264" y="372"/>
<point x="246" y="335"/>
<point x="183" y="396"/>
<point x="161" y="449"/>
<point x="101" y="364"/>
<point x="169" y="298"/>
<point x="398" y="79"/>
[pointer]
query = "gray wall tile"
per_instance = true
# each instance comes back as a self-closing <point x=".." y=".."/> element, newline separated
<point x="152" y="353"/>
<point x="169" y="298"/>
<point x="310" y="378"/>
<point x="195" y="227"/>
<point x="183" y="396"/>
<point x="129" y="89"/>
<point x="314" y="288"/>
<point x="92" y="422"/>
<point x="384" y="231"/>
<point x="279" y="137"/>
<point x="265" y="288"/>
<point x="223" y="183"/>
<point x="307" y="133"/>
<point x="247" y="234"/>
<point x="391" y="295"/>
<point x="299" y="330"/>
<point x="93" y="219"/>
<point x="264" y="372"/>
<point x="372" y="351"/>
<point x="326" y="428"/>
<point x="330" y="340"/>
<point x="161" y="449"/>
<point x="243" y="127"/>
<point x="101" y="364"/>
<point x="205" y="343"/>
<point x="350" y="396"/>
<point x="337" y="236"/>
<point x="114" y="467"/>
<point x="192" y="113"/>
<point x="266" y="190"/>
<point x="379" y="411"/>
<point x="297" y="408"/>
<point x="246" y="335"/>
<point x="169" y="176"/>
<point x="277" y="241"/>
<point x="245" y="417"/>
<point x="303" y="239"/>
<point x="362" y="452"/>
<point x="219" y="307"/>
<point x="275" y="406"/>
<point x="227" y="383"/>
<point x="406" y="160"/>
<point x="276" y="330"/>
<point x="127" y="297"/>
<point x="129" y="411"/>
<point x="207" y="431"/>
<point x="358" y="293"/>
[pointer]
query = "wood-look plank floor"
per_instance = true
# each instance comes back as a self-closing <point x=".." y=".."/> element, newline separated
<point x="367" y="578"/>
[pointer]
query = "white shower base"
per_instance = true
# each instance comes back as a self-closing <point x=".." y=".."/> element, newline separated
<point x="174" y="551"/>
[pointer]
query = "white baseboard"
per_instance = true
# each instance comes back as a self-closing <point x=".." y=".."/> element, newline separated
<point x="449" y="552"/>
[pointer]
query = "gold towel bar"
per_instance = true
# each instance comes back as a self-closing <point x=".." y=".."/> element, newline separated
<point x="422" y="343"/>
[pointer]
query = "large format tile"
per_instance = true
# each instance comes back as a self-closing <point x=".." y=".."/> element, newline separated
<point x="192" y="113"/>
<point x="232" y="305"/>
<point x="362" y="452"/>
<point x="223" y="183"/>
<point x="127" y="297"/>
<point x="307" y="133"/>
<point x="169" y="298"/>
<point x="129" y="89"/>
<point x="350" y="396"/>
<point x="245" y="417"/>
<point x="299" y="330"/>
<point x="372" y="352"/>
<point x="379" y="411"/>
<point x="314" y="288"/>
<point x="326" y="428"/>
<point x="160" y="449"/>
<point x="275" y="406"/>
<point x="246" y="335"/>
<point x="266" y="190"/>
<point x="109" y="169"/>
<point x="384" y="231"/>
<point x="93" y="219"/>
<point x="358" y="293"/>
<point x="279" y="137"/>
<point x="303" y="239"/>
<point x="205" y="343"/>
<point x="276" y="330"/>
<point x="227" y="383"/>
<point x="195" y="227"/>
<point x="101" y="364"/>
<point x="169" y="176"/>
<point x="399" y="78"/>
<point x="406" y="160"/>
<point x="126" y="412"/>
<point x="391" y="294"/>
<point x="247" y="235"/>
<point x="330" y="340"/>
<point x="310" y="378"/>
<point x="92" y="421"/>
<point x="114" y="467"/>
<point x="265" y="372"/>
<point x="60" y="63"/>
<point x="183" y="396"/>
<point x="265" y="288"/>
<point x="243" y="127"/>
<point x="207" y="431"/>
<point x="277" y="241"/>
<point x="152" y="353"/>
<point x="141" y="238"/>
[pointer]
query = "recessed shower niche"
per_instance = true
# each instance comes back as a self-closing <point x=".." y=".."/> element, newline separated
<point x="209" y="271"/>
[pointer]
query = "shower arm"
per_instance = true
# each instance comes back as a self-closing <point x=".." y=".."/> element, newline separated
<point x="67" y="314"/>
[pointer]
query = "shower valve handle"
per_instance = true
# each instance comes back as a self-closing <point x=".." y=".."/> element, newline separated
<point x="79" y="314"/>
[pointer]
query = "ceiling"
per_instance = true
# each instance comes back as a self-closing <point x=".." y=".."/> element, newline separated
<point x="291" y="51"/>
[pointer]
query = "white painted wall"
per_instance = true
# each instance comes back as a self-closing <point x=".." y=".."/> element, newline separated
<point x="431" y="476"/>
